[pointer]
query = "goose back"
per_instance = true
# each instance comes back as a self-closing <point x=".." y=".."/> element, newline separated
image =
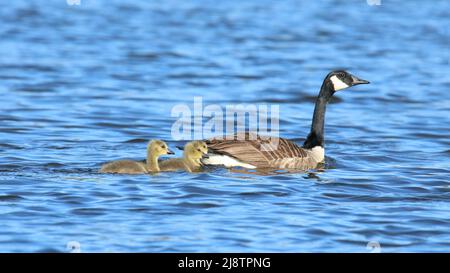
<point x="266" y="153"/>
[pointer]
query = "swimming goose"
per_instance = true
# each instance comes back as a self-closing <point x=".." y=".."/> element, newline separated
<point x="279" y="153"/>
<point x="193" y="152"/>
<point x="155" y="148"/>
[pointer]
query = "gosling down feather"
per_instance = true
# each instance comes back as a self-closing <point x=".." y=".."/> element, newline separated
<point x="193" y="153"/>
<point x="155" y="149"/>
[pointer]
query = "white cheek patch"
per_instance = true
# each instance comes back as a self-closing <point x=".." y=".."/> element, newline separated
<point x="338" y="84"/>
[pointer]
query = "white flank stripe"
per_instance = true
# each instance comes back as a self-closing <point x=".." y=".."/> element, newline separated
<point x="227" y="161"/>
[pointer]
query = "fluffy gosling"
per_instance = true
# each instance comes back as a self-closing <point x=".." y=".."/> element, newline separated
<point x="194" y="151"/>
<point x="155" y="149"/>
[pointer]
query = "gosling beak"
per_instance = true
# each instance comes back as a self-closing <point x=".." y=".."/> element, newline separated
<point x="356" y="81"/>
<point x="170" y="152"/>
<point x="205" y="156"/>
<point x="180" y="148"/>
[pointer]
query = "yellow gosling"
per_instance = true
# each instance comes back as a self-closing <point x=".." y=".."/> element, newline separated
<point x="194" y="151"/>
<point x="155" y="149"/>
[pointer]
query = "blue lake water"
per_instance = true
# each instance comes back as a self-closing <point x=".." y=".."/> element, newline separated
<point x="84" y="84"/>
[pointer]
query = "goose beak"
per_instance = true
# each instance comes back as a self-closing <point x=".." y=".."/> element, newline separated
<point x="170" y="152"/>
<point x="356" y="81"/>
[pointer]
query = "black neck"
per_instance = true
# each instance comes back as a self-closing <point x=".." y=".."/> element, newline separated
<point x="316" y="136"/>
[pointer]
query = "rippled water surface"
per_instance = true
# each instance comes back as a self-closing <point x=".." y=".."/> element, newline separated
<point x="82" y="85"/>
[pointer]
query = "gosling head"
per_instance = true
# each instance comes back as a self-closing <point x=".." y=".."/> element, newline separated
<point x="158" y="147"/>
<point x="196" y="150"/>
<point x="340" y="79"/>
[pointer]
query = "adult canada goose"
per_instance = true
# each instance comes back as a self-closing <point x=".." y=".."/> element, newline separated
<point x="193" y="152"/>
<point x="280" y="153"/>
<point x="155" y="149"/>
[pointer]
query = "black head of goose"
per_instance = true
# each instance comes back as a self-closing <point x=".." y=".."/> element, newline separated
<point x="251" y="151"/>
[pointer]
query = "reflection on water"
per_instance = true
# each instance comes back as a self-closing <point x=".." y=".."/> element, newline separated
<point x="82" y="85"/>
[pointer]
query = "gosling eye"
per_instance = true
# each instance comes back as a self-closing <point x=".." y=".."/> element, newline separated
<point x="162" y="146"/>
<point x="199" y="150"/>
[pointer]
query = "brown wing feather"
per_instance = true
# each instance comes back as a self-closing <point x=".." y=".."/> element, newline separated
<point x="253" y="149"/>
